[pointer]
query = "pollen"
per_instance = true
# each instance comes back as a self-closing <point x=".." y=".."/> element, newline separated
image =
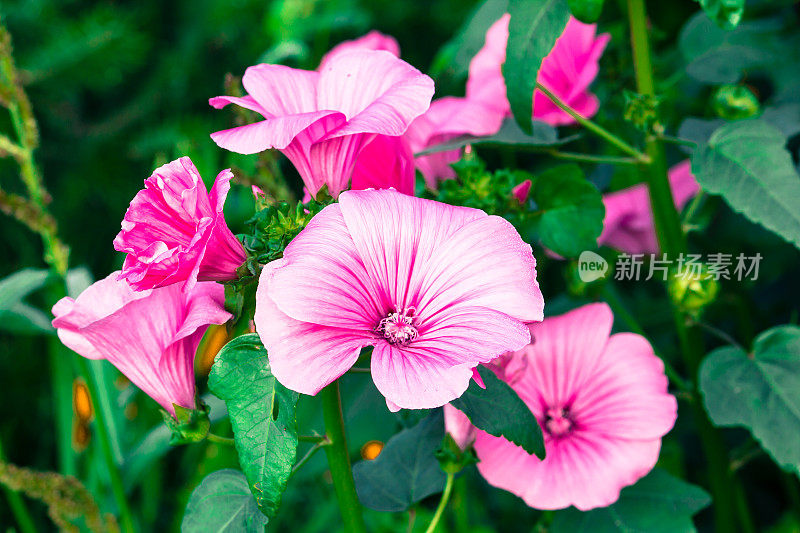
<point x="398" y="327"/>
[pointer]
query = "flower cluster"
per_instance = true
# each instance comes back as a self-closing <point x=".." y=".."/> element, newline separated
<point x="433" y="289"/>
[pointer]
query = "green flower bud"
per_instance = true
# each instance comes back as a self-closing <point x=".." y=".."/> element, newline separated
<point x="188" y="425"/>
<point x="692" y="289"/>
<point x="453" y="459"/>
<point x="735" y="102"/>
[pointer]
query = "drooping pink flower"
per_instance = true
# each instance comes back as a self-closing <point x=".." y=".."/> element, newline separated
<point x="175" y="231"/>
<point x="322" y="121"/>
<point x="567" y="71"/>
<point x="602" y="402"/>
<point x="151" y="336"/>
<point x="629" y="225"/>
<point x="436" y="289"/>
<point x="448" y="118"/>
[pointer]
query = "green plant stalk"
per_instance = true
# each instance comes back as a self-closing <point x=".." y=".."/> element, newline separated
<point x="595" y="128"/>
<point x="589" y="158"/>
<point x="339" y="460"/>
<point x="126" y="520"/>
<point x="448" y="487"/>
<point x="18" y="507"/>
<point x="672" y="241"/>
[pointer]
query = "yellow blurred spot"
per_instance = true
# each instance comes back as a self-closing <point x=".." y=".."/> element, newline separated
<point x="81" y="403"/>
<point x="371" y="450"/>
<point x="215" y="338"/>
<point x="80" y="435"/>
<point x="122" y="382"/>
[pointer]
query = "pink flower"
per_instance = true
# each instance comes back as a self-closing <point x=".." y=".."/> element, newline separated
<point x="322" y="121"/>
<point x="151" y="336"/>
<point x="448" y="118"/>
<point x="567" y="71"/>
<point x="436" y="289"/>
<point x="628" y="225"/>
<point x="602" y="402"/>
<point x="174" y="230"/>
<point x="374" y="40"/>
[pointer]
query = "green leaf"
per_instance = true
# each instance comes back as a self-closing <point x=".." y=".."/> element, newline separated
<point x="509" y="134"/>
<point x="760" y="391"/>
<point x="222" y="503"/>
<point x="746" y="162"/>
<point x="657" y="503"/>
<point x="406" y="470"/>
<point x="570" y="210"/>
<point x="16" y="316"/>
<point x="725" y="13"/>
<point x="262" y="413"/>
<point x="499" y="411"/>
<point x="532" y="32"/>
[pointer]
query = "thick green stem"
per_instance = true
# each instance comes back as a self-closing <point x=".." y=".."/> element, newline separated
<point x="339" y="460"/>
<point x="672" y="241"/>
<point x="448" y="487"/>
<point x="593" y="127"/>
<point x="126" y="520"/>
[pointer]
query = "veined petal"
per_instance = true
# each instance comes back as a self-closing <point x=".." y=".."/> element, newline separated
<point x="281" y="90"/>
<point x="275" y="132"/>
<point x="378" y="92"/>
<point x="373" y="40"/>
<point x="303" y="356"/>
<point x="322" y="279"/>
<point x="385" y="163"/>
<point x="246" y="101"/>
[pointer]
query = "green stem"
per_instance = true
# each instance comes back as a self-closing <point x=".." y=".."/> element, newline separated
<point x="219" y="439"/>
<point x="588" y="158"/>
<point x="309" y="454"/>
<point x="339" y="460"/>
<point x="448" y="487"/>
<point x="126" y="520"/>
<point x="18" y="507"/>
<point x="593" y="127"/>
<point x="460" y="507"/>
<point x="672" y="241"/>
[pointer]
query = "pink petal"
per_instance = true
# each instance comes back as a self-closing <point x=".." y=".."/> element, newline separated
<point x="485" y="83"/>
<point x="565" y="354"/>
<point x="246" y="101"/>
<point x="283" y="91"/>
<point x="627" y="397"/>
<point x="374" y="40"/>
<point x="458" y="426"/>
<point x="323" y="266"/>
<point x="276" y="132"/>
<point x="378" y="92"/>
<point x="304" y="357"/>
<point x="385" y="163"/>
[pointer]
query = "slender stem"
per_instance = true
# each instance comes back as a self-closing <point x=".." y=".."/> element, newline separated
<point x="219" y="439"/>
<point x="588" y="158"/>
<point x="745" y="518"/>
<point x="676" y="140"/>
<point x="126" y="520"/>
<point x="448" y="487"/>
<point x="672" y="241"/>
<point x="593" y="127"/>
<point x="309" y="454"/>
<point x="18" y="507"/>
<point x="339" y="460"/>
<point x="312" y="438"/>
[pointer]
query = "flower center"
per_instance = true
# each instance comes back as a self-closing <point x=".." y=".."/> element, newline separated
<point x="557" y="421"/>
<point x="398" y="328"/>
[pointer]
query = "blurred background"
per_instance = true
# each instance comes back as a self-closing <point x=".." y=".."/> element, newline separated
<point x="120" y="87"/>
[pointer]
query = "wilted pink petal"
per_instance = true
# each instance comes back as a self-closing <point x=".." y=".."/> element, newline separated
<point x="322" y="121"/>
<point x="567" y="71"/>
<point x="448" y="118"/>
<point x="174" y="230"/>
<point x="602" y="402"/>
<point x="151" y="336"/>
<point x="436" y="289"/>
<point x="629" y="225"/>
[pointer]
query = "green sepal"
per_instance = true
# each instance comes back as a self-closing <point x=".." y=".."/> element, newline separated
<point x="453" y="459"/>
<point x="188" y="425"/>
<point x="641" y="110"/>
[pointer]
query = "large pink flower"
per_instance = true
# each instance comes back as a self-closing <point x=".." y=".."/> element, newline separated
<point x="174" y="230"/>
<point x="602" y="402"/>
<point x="567" y="71"/>
<point x="151" y="336"/>
<point x="447" y="118"/>
<point x="629" y="225"/>
<point x="323" y="120"/>
<point x="436" y="289"/>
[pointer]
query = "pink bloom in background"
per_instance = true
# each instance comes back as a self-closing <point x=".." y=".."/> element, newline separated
<point x="436" y="289"/>
<point x="151" y="336"/>
<point x="174" y="230"/>
<point x="567" y="71"/>
<point x="629" y="225"/>
<point x="448" y="118"/>
<point x="322" y="121"/>
<point x="602" y="402"/>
